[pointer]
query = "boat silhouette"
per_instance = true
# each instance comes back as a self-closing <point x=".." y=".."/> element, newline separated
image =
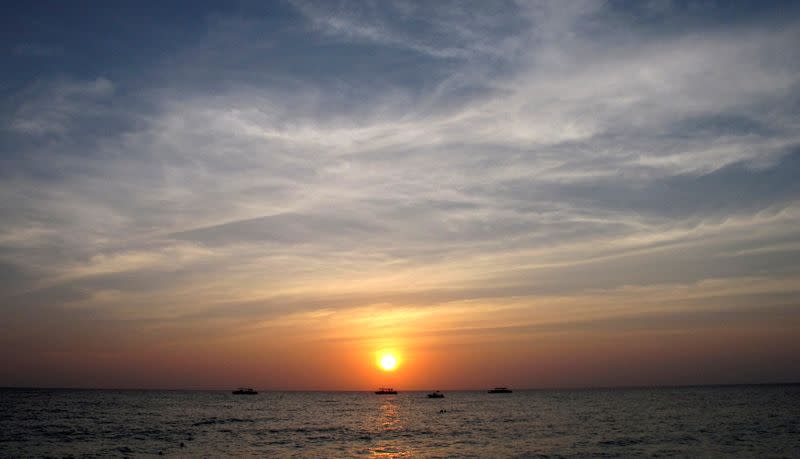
<point x="436" y="394"/>
<point x="386" y="391"/>
<point x="500" y="390"/>
<point x="245" y="391"/>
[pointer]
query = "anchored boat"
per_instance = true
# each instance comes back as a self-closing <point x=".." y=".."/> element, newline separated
<point x="245" y="391"/>
<point x="500" y="390"/>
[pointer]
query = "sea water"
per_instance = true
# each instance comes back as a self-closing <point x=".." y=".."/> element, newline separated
<point x="749" y="421"/>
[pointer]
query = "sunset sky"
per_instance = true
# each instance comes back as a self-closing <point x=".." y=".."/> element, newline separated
<point x="276" y="194"/>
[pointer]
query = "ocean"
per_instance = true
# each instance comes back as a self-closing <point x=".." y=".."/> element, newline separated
<point x="721" y="421"/>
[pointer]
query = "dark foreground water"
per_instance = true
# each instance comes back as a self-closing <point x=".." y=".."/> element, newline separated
<point x="750" y="421"/>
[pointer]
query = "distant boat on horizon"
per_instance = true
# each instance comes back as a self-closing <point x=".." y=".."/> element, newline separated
<point x="386" y="391"/>
<point x="436" y="394"/>
<point x="500" y="390"/>
<point x="245" y="391"/>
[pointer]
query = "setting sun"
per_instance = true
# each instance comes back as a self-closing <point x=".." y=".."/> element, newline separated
<point x="388" y="362"/>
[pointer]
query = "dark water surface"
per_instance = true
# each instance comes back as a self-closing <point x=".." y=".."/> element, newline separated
<point x="749" y="421"/>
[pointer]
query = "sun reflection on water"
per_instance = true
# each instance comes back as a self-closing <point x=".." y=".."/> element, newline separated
<point x="391" y="423"/>
<point x="389" y="415"/>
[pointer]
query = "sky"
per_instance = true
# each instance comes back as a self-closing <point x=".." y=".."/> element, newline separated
<point x="276" y="194"/>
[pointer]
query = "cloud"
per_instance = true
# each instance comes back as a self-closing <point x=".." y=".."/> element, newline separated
<point x="448" y="30"/>
<point x="283" y="228"/>
<point x="53" y="107"/>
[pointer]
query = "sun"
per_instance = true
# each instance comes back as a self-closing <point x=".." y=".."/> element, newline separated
<point x="388" y="362"/>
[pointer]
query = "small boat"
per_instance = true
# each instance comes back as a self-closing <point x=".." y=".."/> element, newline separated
<point x="245" y="391"/>
<point x="500" y="390"/>
<point x="386" y="391"/>
<point x="436" y="394"/>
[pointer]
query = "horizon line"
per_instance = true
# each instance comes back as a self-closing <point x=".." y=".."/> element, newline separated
<point x="552" y="388"/>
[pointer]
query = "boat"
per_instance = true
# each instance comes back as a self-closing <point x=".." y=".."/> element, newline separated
<point x="386" y="391"/>
<point x="436" y="394"/>
<point x="245" y="391"/>
<point x="500" y="390"/>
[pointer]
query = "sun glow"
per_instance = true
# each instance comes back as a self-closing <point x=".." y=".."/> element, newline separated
<point x="387" y="362"/>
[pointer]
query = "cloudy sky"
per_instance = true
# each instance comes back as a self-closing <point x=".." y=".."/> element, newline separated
<point x="531" y="194"/>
